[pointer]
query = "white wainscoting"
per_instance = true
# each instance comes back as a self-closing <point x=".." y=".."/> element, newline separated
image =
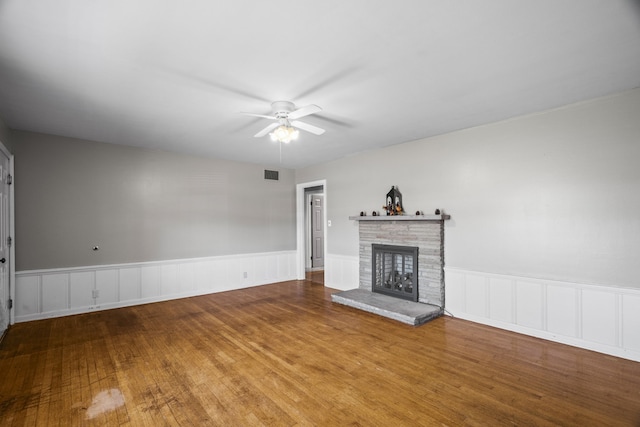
<point x="41" y="294"/>
<point x="341" y="272"/>
<point x="599" y="318"/>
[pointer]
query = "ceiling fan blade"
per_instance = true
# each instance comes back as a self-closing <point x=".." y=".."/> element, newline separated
<point x="266" y="130"/>
<point x="307" y="127"/>
<point x="304" y="111"/>
<point x="341" y="75"/>
<point x="188" y="76"/>
<point x="258" y="115"/>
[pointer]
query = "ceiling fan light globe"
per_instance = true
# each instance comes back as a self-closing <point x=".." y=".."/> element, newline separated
<point x="281" y="132"/>
<point x="284" y="133"/>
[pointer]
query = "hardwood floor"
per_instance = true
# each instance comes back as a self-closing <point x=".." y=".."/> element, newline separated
<point x="283" y="354"/>
<point x="316" y="276"/>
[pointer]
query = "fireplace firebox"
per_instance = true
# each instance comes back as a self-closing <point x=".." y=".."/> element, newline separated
<point x="395" y="271"/>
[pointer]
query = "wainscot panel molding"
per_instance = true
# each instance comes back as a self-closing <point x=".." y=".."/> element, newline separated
<point x="599" y="318"/>
<point x="42" y="294"/>
<point x="341" y="272"/>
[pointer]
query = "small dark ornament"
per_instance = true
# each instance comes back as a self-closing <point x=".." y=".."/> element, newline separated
<point x="374" y="213"/>
<point x="361" y="213"/>
<point x="437" y="211"/>
<point x="417" y="212"/>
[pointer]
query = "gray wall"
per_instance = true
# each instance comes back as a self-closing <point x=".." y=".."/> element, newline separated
<point x="141" y="205"/>
<point x="5" y="136"/>
<point x="554" y="195"/>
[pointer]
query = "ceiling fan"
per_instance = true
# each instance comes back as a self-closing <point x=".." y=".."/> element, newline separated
<point x="285" y="129"/>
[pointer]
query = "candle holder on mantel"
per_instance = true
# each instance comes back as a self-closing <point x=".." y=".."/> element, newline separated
<point x="393" y="204"/>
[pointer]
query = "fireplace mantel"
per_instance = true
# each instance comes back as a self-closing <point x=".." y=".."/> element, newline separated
<point x="441" y="217"/>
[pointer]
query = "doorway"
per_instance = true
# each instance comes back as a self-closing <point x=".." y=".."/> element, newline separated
<point x="314" y="234"/>
<point x="317" y="231"/>
<point x="6" y="255"/>
<point x="311" y="231"/>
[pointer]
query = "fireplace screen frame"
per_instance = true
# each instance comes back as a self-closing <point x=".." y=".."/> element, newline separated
<point x="381" y="273"/>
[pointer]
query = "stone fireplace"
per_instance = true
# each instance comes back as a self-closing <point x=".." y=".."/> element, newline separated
<point x="423" y="234"/>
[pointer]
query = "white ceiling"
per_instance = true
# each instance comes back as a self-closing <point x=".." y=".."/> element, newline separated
<point x="174" y="75"/>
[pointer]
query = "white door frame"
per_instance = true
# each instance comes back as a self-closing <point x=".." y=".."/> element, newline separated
<point x="300" y="225"/>
<point x="12" y="233"/>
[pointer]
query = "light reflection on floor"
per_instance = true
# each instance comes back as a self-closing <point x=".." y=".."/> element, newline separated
<point x="105" y="401"/>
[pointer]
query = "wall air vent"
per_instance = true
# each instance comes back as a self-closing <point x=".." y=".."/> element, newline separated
<point x="270" y="174"/>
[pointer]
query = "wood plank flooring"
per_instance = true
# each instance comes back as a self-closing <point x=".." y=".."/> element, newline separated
<point x="283" y="354"/>
<point x="316" y="276"/>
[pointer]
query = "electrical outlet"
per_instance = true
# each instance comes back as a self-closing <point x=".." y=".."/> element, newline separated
<point x="95" y="293"/>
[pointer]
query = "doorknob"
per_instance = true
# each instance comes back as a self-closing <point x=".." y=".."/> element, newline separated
<point x="3" y="260"/>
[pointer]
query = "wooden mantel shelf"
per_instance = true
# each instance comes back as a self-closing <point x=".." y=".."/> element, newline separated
<point x="441" y="217"/>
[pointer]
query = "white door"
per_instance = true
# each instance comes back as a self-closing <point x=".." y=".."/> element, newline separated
<point x="317" y="231"/>
<point x="4" y="243"/>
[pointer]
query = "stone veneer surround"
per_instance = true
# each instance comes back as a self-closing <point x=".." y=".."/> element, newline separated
<point x="425" y="232"/>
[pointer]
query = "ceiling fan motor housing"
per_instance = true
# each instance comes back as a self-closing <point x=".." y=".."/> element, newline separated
<point x="281" y="109"/>
<point x="286" y="114"/>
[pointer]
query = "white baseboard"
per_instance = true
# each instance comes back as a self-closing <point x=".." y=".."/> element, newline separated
<point x="41" y="294"/>
<point x="599" y="318"/>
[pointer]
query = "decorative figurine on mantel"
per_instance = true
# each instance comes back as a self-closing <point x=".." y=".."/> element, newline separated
<point x="394" y="202"/>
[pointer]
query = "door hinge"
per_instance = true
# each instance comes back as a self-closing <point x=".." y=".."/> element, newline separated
<point x="10" y="304"/>
<point x="9" y="241"/>
<point x="9" y="179"/>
